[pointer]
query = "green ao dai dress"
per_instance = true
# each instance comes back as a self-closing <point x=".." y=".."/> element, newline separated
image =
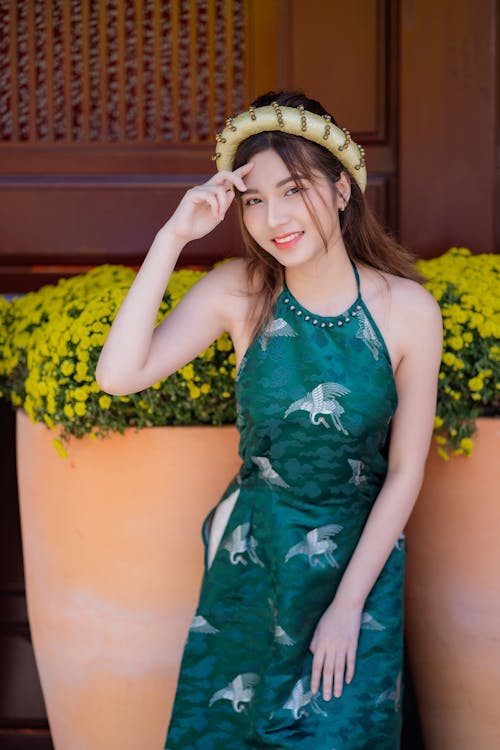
<point x="315" y="400"/>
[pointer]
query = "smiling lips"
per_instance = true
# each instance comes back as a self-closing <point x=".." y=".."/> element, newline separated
<point x="287" y="240"/>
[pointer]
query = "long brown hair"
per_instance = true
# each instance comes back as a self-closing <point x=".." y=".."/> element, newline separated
<point x="364" y="238"/>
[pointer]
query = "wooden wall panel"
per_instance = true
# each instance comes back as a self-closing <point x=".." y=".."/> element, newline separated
<point x="95" y="214"/>
<point x="110" y="219"/>
<point x="109" y="113"/>
<point x="120" y="71"/>
<point x="135" y="89"/>
<point x="449" y="125"/>
<point x="268" y="33"/>
<point x="346" y="84"/>
<point x="103" y="106"/>
<point x="353" y="75"/>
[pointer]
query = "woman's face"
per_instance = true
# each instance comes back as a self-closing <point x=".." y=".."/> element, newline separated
<point x="277" y="217"/>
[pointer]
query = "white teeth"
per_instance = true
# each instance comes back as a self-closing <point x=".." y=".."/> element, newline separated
<point x="288" y="238"/>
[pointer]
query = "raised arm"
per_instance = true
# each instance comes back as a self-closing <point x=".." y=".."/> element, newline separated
<point x="136" y="354"/>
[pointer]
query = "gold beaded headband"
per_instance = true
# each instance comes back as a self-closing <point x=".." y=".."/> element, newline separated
<point x="296" y="121"/>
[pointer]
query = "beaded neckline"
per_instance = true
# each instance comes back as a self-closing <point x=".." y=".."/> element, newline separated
<point x="321" y="321"/>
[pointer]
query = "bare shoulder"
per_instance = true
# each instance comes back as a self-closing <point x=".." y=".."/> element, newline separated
<point x="414" y="305"/>
<point x="416" y="318"/>
<point x="400" y="297"/>
<point x="406" y="313"/>
<point x="227" y="278"/>
<point x="230" y="288"/>
<point x="230" y="275"/>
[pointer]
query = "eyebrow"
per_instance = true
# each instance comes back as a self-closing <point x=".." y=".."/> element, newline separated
<point x="278" y="184"/>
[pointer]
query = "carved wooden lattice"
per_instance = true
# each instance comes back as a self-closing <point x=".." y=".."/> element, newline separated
<point x="119" y="71"/>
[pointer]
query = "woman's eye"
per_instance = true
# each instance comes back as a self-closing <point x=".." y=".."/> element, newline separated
<point x="293" y="190"/>
<point x="252" y="201"/>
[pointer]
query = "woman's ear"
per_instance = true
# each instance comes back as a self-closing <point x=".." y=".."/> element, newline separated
<point x="343" y="189"/>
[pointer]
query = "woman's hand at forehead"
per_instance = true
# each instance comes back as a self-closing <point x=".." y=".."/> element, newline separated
<point x="204" y="206"/>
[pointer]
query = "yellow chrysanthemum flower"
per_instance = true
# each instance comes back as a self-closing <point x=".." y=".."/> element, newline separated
<point x="67" y="367"/>
<point x="194" y="391"/>
<point x="476" y="384"/>
<point x="187" y="372"/>
<point x="80" y="409"/>
<point x="457" y="343"/>
<point x="466" y="445"/>
<point x="60" y="448"/>
<point x="69" y="411"/>
<point x="80" y="394"/>
<point x="105" y="401"/>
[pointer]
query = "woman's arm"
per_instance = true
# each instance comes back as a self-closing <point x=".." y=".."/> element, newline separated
<point x="335" y="640"/>
<point x="136" y="354"/>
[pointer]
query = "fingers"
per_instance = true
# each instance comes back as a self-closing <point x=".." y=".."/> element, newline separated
<point x="330" y="670"/>
<point x="350" y="665"/>
<point x="317" y="668"/>
<point x="217" y="197"/>
<point x="232" y="179"/>
<point x="208" y="197"/>
<point x="329" y="667"/>
<point x="344" y="666"/>
<point x="338" y="678"/>
<point x="334" y="647"/>
<point x="244" y="169"/>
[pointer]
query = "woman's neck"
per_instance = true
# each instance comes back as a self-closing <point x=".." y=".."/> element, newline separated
<point x="327" y="286"/>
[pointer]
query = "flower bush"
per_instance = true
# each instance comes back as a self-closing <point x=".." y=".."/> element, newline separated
<point x="467" y="288"/>
<point x="51" y="340"/>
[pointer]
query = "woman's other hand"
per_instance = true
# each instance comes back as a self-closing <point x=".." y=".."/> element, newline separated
<point x="334" y="646"/>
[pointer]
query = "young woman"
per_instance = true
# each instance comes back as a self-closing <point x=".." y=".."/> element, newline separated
<point x="297" y="639"/>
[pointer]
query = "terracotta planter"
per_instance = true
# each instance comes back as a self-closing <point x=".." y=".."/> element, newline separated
<point x="453" y="597"/>
<point x="113" y="560"/>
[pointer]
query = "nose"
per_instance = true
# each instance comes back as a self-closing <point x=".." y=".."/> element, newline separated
<point x="277" y="213"/>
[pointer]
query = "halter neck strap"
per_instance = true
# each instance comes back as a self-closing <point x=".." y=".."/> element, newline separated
<point x="356" y="276"/>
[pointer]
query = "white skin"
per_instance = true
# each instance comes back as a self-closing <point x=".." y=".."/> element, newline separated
<point x="137" y="354"/>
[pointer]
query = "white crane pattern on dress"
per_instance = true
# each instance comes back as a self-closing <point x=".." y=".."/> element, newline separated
<point x="267" y="473"/>
<point x="280" y="635"/>
<point x="401" y="543"/>
<point x="200" y="625"/>
<point x="239" y="691"/>
<point x="241" y="542"/>
<point x="277" y="327"/>
<point x="300" y="698"/>
<point x="393" y="695"/>
<point x="366" y="333"/>
<point x="317" y="543"/>
<point x="356" y="467"/>
<point x="368" y="622"/>
<point x="320" y="401"/>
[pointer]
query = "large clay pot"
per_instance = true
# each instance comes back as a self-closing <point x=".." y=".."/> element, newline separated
<point x="453" y="597"/>
<point x="113" y="561"/>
